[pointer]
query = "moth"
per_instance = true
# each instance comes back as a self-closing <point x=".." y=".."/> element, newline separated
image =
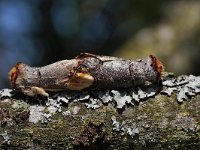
<point x="85" y="72"/>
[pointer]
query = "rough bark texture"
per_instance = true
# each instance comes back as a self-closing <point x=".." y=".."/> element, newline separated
<point x="162" y="123"/>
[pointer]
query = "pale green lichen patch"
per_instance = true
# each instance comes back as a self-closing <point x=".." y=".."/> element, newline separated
<point x="185" y="86"/>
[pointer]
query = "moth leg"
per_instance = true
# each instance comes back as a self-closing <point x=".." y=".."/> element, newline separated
<point x="39" y="91"/>
<point x="34" y="91"/>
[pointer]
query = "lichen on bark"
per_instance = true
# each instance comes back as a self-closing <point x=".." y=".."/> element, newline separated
<point x="64" y="120"/>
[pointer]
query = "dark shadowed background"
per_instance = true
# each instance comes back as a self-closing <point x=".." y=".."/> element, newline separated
<point x="39" y="32"/>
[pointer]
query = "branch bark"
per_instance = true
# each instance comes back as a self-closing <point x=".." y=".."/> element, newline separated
<point x="161" y="121"/>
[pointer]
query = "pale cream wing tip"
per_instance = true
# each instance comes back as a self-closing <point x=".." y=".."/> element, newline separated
<point x="80" y="81"/>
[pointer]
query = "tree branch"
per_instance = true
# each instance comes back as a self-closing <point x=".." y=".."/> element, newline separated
<point x="113" y="119"/>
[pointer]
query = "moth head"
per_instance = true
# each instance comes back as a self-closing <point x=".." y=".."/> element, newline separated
<point x="16" y="75"/>
<point x="158" y="65"/>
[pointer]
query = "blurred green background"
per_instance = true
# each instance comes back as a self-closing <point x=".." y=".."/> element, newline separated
<point x="39" y="32"/>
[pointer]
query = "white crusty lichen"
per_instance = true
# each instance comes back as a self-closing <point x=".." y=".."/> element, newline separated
<point x="67" y="113"/>
<point x="62" y="99"/>
<point x="185" y="86"/>
<point x="83" y="96"/>
<point x="117" y="126"/>
<point x="53" y="105"/>
<point x="93" y="104"/>
<point x="169" y="91"/>
<point x="6" y="137"/>
<point x="46" y="117"/>
<point x="140" y="94"/>
<point x="94" y="99"/>
<point x="121" y="98"/>
<point x="126" y="126"/>
<point x="6" y="93"/>
<point x="105" y="96"/>
<point x="127" y="97"/>
<point x="72" y="111"/>
<point x="36" y="112"/>
<point x="42" y="113"/>
<point x="132" y="130"/>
